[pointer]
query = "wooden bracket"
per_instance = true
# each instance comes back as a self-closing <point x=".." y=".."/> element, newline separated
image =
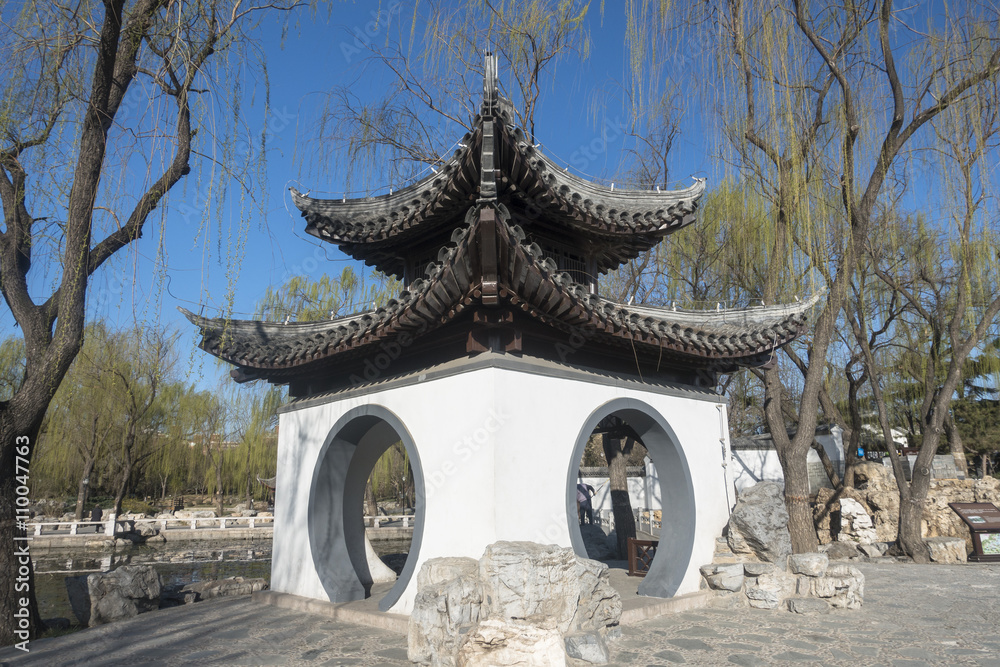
<point x="493" y="331"/>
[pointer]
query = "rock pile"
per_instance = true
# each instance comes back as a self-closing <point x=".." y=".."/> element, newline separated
<point x="765" y="574"/>
<point x="877" y="496"/>
<point x="521" y="604"/>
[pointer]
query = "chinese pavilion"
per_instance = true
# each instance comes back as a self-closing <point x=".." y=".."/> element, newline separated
<point x="493" y="367"/>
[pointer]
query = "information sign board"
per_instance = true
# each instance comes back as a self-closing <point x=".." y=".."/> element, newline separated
<point x="983" y="520"/>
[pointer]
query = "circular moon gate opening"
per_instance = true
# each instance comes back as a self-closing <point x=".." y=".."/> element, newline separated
<point x="676" y="491"/>
<point x="336" y="503"/>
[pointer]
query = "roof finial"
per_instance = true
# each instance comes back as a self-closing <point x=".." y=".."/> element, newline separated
<point x="490" y="94"/>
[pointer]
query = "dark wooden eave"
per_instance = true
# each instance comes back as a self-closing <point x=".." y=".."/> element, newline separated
<point x="490" y="269"/>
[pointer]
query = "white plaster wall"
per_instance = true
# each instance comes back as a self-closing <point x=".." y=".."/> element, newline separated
<point x="762" y="465"/>
<point x="643" y="493"/>
<point x="494" y="446"/>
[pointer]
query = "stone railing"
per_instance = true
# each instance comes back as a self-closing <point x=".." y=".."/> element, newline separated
<point x="644" y="520"/>
<point x="377" y="521"/>
<point x="114" y="526"/>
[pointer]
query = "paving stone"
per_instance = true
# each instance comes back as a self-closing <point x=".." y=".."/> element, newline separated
<point x="393" y="653"/>
<point x="867" y="651"/>
<point x="757" y="639"/>
<point x="671" y="656"/>
<point x="691" y="644"/>
<point x="795" y="656"/>
<point x="909" y="663"/>
<point x="699" y="631"/>
<point x="841" y="655"/>
<point x="746" y="660"/>
<point x="805" y="646"/>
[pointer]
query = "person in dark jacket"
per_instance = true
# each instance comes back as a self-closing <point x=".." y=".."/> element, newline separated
<point x="95" y="515"/>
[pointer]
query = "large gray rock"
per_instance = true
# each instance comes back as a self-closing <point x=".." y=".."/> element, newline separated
<point x="448" y="601"/>
<point x="587" y="646"/>
<point x="507" y="642"/>
<point x="845" y="550"/>
<point x="112" y="596"/>
<point x="768" y="590"/>
<point x="856" y="524"/>
<point x="809" y="564"/>
<point x="947" y="549"/>
<point x="547" y="584"/>
<point x="723" y="576"/>
<point x="759" y="523"/>
<point x="843" y="586"/>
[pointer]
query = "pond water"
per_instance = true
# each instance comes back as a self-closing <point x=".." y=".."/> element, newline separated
<point x="177" y="563"/>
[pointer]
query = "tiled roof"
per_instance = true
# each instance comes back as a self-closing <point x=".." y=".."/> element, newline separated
<point x="526" y="281"/>
<point x="496" y="162"/>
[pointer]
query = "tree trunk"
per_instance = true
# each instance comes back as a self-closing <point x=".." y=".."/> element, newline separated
<point x="801" y="528"/>
<point x="17" y="573"/>
<point x="956" y="446"/>
<point x="116" y="508"/>
<point x="618" y="483"/>
<point x="371" y="507"/>
<point x="218" y="485"/>
<point x="84" y="487"/>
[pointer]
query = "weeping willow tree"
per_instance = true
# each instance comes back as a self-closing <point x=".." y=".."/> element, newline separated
<point x="817" y="106"/>
<point x="104" y="109"/>
<point x="434" y="58"/>
<point x="950" y="274"/>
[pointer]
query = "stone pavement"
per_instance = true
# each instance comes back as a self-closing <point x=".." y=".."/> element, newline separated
<point x="913" y="615"/>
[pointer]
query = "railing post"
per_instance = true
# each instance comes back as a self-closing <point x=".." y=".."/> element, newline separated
<point x="251" y="522"/>
<point x="194" y="524"/>
<point x="375" y="522"/>
<point x="72" y="528"/>
<point x="38" y="529"/>
<point x="163" y="525"/>
<point x="109" y="527"/>
<point x="406" y="522"/>
<point x="222" y="522"/>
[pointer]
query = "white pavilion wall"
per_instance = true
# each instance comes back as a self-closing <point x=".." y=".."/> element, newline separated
<point x="495" y="445"/>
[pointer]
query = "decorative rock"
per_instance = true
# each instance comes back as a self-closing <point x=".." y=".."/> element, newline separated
<point x="767" y="591"/>
<point x="442" y="570"/>
<point x="723" y="577"/>
<point x="448" y="599"/>
<point x="844" y="550"/>
<point x="165" y="515"/>
<point x="855" y="523"/>
<point x="881" y="498"/>
<point x="503" y="643"/>
<point x="587" y="646"/>
<point x="870" y="550"/>
<point x="757" y="569"/>
<point x="947" y="549"/>
<point x="843" y="586"/>
<point x="809" y="564"/>
<point x="808" y="606"/>
<point x="546" y="583"/>
<point x="147" y="530"/>
<point x="759" y="523"/>
<point x="112" y="596"/>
